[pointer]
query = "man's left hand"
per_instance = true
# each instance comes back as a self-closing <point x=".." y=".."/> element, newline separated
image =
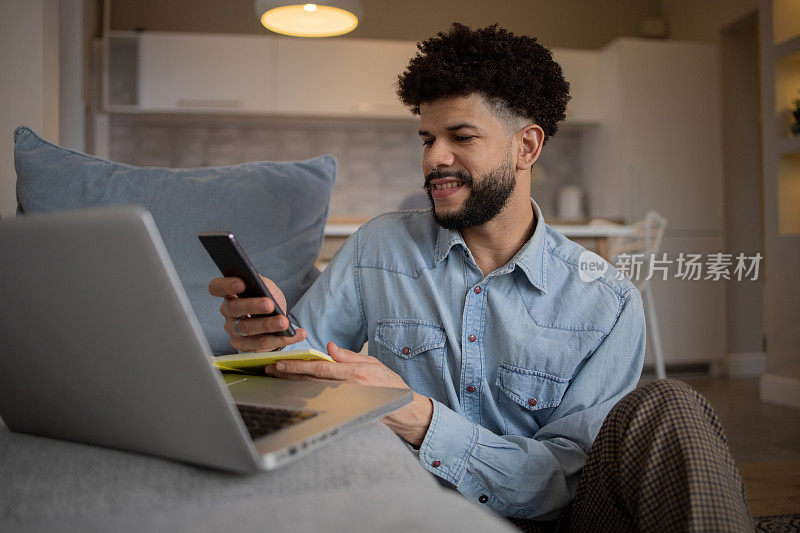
<point x="411" y="422"/>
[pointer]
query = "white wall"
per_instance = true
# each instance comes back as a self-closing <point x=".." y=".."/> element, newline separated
<point x="742" y="180"/>
<point x="29" y="84"/>
<point x="72" y="108"/>
<point x="702" y="20"/>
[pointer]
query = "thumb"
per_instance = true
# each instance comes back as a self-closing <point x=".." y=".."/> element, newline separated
<point x="340" y="355"/>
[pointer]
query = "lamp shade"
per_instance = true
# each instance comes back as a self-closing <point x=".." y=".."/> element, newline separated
<point x="321" y="19"/>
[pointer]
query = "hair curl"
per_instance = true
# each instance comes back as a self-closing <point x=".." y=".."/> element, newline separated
<point x="513" y="71"/>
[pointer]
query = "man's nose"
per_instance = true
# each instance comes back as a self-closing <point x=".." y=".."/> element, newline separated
<point x="439" y="155"/>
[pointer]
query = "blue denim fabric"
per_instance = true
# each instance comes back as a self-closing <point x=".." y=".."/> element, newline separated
<point x="551" y="355"/>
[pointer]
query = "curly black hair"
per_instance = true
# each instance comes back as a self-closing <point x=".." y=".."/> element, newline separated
<point x="510" y="71"/>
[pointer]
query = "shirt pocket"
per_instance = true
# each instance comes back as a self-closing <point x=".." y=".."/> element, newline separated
<point x="527" y="397"/>
<point x="415" y="349"/>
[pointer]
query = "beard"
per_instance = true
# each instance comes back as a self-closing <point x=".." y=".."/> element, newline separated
<point x="485" y="200"/>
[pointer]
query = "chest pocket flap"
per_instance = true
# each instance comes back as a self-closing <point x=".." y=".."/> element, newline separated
<point x="407" y="338"/>
<point x="531" y="389"/>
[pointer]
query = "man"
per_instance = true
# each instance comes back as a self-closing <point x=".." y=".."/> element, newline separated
<point x="476" y="304"/>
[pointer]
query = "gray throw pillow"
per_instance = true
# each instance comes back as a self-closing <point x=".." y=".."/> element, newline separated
<point x="277" y="210"/>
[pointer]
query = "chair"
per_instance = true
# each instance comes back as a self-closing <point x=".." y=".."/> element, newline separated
<point x="644" y="240"/>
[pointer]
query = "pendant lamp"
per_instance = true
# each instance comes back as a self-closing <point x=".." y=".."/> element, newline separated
<point x="322" y="19"/>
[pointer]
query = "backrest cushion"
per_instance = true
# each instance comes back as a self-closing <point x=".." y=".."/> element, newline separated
<point x="277" y="210"/>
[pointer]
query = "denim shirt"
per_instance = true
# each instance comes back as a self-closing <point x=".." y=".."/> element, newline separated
<point x="522" y="364"/>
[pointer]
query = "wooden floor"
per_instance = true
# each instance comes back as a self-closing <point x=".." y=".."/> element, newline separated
<point x="764" y="439"/>
<point x="772" y="487"/>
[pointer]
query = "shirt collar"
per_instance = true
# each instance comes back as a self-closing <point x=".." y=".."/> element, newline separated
<point x="530" y="258"/>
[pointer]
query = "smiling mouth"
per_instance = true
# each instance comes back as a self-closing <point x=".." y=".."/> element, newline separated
<point x="440" y="191"/>
<point x="448" y="185"/>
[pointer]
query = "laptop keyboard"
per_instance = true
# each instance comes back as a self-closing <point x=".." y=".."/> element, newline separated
<point x="261" y="421"/>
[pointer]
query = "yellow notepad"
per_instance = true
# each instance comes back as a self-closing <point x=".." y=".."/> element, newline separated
<point x="254" y="362"/>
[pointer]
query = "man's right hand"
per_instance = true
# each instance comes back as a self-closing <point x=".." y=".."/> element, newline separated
<point x="256" y="334"/>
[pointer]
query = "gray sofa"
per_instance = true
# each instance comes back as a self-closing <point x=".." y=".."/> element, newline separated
<point x="364" y="481"/>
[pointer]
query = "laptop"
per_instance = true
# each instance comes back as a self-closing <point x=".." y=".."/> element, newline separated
<point x="99" y="344"/>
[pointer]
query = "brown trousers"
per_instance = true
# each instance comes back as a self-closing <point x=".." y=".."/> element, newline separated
<point x="660" y="463"/>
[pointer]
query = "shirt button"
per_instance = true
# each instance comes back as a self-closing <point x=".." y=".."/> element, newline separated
<point x="483" y="498"/>
<point x="436" y="463"/>
<point x="477" y="290"/>
<point x="532" y="402"/>
<point x="406" y="351"/>
<point x="472" y="338"/>
<point x="470" y="388"/>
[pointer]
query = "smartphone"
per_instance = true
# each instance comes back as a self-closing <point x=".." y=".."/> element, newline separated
<point x="233" y="262"/>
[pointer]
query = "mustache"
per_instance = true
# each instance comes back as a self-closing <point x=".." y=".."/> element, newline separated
<point x="461" y="175"/>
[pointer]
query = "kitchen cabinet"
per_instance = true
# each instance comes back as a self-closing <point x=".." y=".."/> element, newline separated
<point x="258" y="75"/>
<point x="658" y="144"/>
<point x="347" y="77"/>
<point x="582" y="70"/>
<point x="196" y="72"/>
<point x="263" y="75"/>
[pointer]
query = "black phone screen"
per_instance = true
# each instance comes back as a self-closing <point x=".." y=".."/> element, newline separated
<point x="233" y="262"/>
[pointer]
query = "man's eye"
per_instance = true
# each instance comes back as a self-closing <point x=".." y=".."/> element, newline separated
<point x="429" y="142"/>
<point x="463" y="138"/>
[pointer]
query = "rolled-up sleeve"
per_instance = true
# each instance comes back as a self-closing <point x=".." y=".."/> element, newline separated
<point x="536" y="476"/>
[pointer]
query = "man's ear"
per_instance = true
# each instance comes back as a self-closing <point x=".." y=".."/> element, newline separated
<point x="531" y="141"/>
